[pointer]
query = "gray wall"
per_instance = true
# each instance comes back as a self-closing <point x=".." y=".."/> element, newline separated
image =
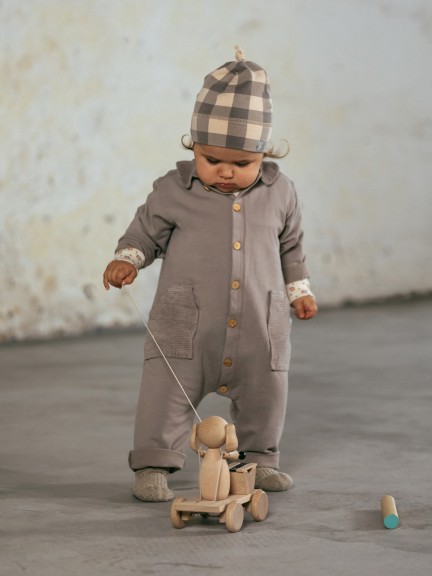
<point x="95" y="95"/>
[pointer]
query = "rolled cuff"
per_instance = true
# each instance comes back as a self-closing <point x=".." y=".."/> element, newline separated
<point x="298" y="289"/>
<point x="156" y="458"/>
<point x="132" y="255"/>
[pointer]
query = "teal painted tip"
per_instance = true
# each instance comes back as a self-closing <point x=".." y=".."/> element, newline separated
<point x="391" y="521"/>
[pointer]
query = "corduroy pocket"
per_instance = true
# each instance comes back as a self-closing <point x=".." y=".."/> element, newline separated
<point x="173" y="322"/>
<point x="279" y="329"/>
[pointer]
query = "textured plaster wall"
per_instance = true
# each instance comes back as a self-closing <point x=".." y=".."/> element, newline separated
<point x="95" y="95"/>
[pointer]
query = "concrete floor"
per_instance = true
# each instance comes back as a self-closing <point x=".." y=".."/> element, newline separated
<point x="358" y="427"/>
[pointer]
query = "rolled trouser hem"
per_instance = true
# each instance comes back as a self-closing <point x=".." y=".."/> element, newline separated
<point x="156" y="458"/>
<point x="268" y="460"/>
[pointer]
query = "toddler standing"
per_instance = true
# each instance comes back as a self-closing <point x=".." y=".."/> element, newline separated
<point x="228" y="227"/>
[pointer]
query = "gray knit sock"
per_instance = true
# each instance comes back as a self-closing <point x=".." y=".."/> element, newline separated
<point x="271" y="480"/>
<point x="151" y="485"/>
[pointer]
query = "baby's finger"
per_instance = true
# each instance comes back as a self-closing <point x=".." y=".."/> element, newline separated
<point x="299" y="312"/>
<point x="129" y="278"/>
<point x="310" y="311"/>
<point x="105" y="281"/>
<point x="114" y="279"/>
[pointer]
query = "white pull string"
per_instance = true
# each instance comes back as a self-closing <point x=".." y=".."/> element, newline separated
<point x="163" y="355"/>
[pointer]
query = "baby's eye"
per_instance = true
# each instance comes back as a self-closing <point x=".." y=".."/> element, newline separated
<point x="242" y="164"/>
<point x="212" y="160"/>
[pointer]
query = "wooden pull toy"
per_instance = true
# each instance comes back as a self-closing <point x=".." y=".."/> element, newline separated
<point x="389" y="512"/>
<point x="225" y="491"/>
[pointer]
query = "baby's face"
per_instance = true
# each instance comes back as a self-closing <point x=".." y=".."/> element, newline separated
<point x="226" y="169"/>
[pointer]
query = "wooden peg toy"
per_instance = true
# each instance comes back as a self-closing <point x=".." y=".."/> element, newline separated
<point x="389" y="512"/>
<point x="224" y="492"/>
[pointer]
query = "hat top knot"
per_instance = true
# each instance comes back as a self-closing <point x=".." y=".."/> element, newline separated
<point x="239" y="54"/>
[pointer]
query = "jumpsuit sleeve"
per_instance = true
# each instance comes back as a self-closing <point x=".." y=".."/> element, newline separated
<point x="151" y="229"/>
<point x="292" y="256"/>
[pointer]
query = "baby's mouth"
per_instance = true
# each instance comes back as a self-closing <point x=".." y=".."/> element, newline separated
<point x="225" y="186"/>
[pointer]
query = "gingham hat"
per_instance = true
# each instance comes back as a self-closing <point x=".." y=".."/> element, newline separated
<point x="233" y="108"/>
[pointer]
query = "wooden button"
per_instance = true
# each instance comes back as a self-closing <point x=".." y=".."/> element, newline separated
<point x="237" y="245"/>
<point x="236" y="207"/>
<point x="227" y="362"/>
<point x="223" y="389"/>
<point x="232" y="322"/>
<point x="235" y="285"/>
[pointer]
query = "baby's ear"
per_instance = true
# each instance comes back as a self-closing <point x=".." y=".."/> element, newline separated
<point x="194" y="442"/>
<point x="231" y="442"/>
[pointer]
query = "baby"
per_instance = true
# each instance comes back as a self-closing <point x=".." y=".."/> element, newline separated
<point x="228" y="227"/>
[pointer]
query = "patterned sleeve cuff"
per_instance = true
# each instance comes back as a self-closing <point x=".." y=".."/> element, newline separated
<point x="132" y="255"/>
<point x="298" y="289"/>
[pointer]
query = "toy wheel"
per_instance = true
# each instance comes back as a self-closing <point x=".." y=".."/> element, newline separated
<point x="234" y="516"/>
<point x="176" y="516"/>
<point x="259" y="505"/>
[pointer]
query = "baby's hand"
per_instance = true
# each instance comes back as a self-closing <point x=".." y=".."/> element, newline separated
<point x="118" y="273"/>
<point x="305" y="307"/>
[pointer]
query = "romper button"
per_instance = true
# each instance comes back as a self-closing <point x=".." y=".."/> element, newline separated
<point x="236" y="207"/>
<point x="237" y="245"/>
<point x="223" y="389"/>
<point x="235" y="285"/>
<point x="227" y="362"/>
<point x="232" y="322"/>
<point x="206" y="188"/>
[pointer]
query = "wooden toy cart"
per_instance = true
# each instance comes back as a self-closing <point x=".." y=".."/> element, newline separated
<point x="230" y="510"/>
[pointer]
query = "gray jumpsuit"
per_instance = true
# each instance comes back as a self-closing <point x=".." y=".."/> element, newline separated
<point x="221" y="314"/>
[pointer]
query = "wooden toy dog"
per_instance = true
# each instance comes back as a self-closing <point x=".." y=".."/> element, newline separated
<point x="224" y="492"/>
<point x="214" y="432"/>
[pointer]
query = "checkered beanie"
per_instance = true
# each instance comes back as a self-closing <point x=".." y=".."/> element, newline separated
<point x="233" y="108"/>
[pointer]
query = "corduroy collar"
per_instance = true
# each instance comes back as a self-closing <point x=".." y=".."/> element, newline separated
<point x="187" y="172"/>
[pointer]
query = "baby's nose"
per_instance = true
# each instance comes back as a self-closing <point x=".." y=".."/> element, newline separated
<point x="226" y="171"/>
